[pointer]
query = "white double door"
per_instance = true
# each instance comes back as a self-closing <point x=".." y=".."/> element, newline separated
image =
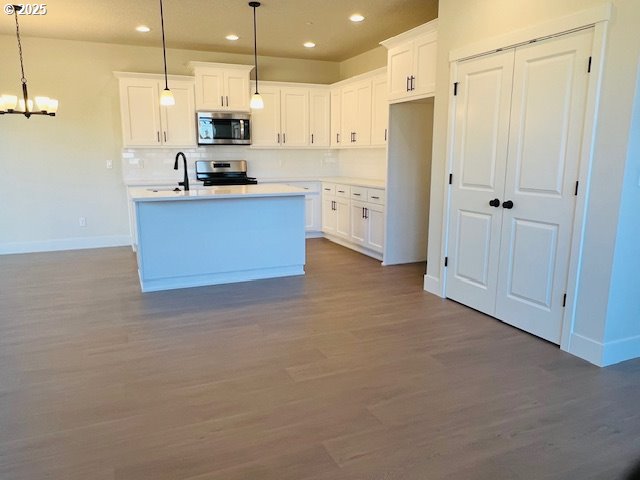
<point x="518" y="130"/>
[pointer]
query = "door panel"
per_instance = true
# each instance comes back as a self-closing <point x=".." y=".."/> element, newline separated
<point x="140" y="112"/>
<point x="375" y="234"/>
<point x="320" y="118"/>
<point x="295" y="117"/>
<point x="237" y="91"/>
<point x="549" y="96"/>
<point x="343" y="224"/>
<point x="265" y="122"/>
<point x="358" y="223"/>
<point x="473" y="248"/>
<point x="328" y="214"/>
<point x="179" y="120"/>
<point x="531" y="257"/>
<point x="480" y="154"/>
<point x="336" y="102"/>
<point x="426" y="50"/>
<point x="210" y="91"/>
<point x="400" y="66"/>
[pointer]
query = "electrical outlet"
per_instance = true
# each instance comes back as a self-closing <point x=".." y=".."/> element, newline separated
<point x="82" y="221"/>
<point x="109" y="164"/>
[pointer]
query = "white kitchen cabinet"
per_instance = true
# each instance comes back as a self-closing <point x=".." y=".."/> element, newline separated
<point x="354" y="217"/>
<point x="380" y="111"/>
<point x="221" y="86"/>
<point x="313" y="206"/>
<point x="320" y="117"/>
<point x="336" y="112"/>
<point x="265" y="122"/>
<point x="145" y="123"/>
<point x="293" y="116"/>
<point x="411" y="62"/>
<point x="356" y="114"/>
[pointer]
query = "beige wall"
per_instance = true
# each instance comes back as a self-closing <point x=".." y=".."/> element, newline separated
<point x="463" y="22"/>
<point x="52" y="170"/>
<point x="365" y="62"/>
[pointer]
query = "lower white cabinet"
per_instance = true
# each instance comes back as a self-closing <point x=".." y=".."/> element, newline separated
<point x="313" y="207"/>
<point x="354" y="216"/>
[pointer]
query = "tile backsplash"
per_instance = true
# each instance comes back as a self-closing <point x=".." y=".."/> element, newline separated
<point x="155" y="165"/>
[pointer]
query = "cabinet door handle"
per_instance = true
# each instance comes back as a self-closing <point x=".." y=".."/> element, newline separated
<point x="363" y="213"/>
<point x="284" y="138"/>
<point x="366" y="215"/>
<point x="356" y="194"/>
<point x="355" y="137"/>
<point x="227" y="101"/>
<point x="413" y="85"/>
<point x="165" y="136"/>
<point x="375" y="198"/>
<point x="408" y="80"/>
<point x="278" y="140"/>
<point x="221" y="101"/>
<point x="312" y="138"/>
<point x="158" y="135"/>
<point x="385" y="134"/>
<point x="337" y="138"/>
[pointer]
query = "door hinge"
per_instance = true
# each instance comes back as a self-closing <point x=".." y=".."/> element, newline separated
<point x="450" y="178"/>
<point x="564" y="300"/>
<point x="589" y="67"/>
<point x="455" y="89"/>
<point x="576" y="190"/>
<point x="446" y="261"/>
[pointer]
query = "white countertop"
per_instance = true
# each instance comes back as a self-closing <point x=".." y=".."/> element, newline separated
<point x="219" y="192"/>
<point x="358" y="182"/>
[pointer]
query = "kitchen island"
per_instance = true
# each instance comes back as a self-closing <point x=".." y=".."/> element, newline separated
<point x="215" y="235"/>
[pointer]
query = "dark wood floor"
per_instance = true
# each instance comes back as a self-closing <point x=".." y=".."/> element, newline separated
<point x="351" y="372"/>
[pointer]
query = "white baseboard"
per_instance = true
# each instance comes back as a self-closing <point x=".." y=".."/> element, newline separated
<point x="604" y="354"/>
<point x="432" y="285"/>
<point x="65" y="244"/>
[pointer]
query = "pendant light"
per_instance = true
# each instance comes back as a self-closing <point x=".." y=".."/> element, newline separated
<point x="256" y="99"/>
<point x="166" y="97"/>
<point x="10" y="103"/>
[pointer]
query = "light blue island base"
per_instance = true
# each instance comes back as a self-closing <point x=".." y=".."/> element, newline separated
<point x="191" y="241"/>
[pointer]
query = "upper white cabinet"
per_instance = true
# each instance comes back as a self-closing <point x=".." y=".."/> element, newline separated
<point x="145" y="123"/>
<point x="336" y="113"/>
<point x="292" y="117"/>
<point x="379" y="110"/>
<point x="221" y="86"/>
<point x="359" y="111"/>
<point x="320" y="117"/>
<point x="411" y="63"/>
<point x="356" y="114"/>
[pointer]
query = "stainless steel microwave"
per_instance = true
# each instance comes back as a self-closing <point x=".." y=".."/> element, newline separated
<point x="219" y="128"/>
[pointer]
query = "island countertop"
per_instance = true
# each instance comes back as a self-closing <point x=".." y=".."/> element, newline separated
<point x="218" y="192"/>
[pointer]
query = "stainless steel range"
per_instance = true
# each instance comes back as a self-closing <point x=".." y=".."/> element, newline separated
<point x="223" y="172"/>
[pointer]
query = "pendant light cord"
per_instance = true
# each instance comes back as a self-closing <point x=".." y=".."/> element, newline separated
<point x="255" y="46"/>
<point x="164" y="48"/>
<point x="16" y="8"/>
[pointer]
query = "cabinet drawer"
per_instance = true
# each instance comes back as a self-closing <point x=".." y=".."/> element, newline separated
<point x="310" y="187"/>
<point x="328" y="189"/>
<point x="342" y="190"/>
<point x="359" y="193"/>
<point x="375" y="195"/>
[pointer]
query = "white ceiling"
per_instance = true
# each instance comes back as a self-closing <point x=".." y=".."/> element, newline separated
<point x="283" y="25"/>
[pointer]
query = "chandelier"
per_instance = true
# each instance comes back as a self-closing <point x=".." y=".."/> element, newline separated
<point x="25" y="106"/>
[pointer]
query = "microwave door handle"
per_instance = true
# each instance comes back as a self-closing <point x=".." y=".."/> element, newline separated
<point x="241" y="129"/>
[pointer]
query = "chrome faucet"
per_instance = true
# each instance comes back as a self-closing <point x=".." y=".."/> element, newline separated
<point x="184" y="183"/>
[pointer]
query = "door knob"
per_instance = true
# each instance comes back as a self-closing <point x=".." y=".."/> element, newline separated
<point x="508" y="205"/>
<point x="494" y="203"/>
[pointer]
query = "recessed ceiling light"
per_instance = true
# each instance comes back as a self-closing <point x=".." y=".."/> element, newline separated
<point x="309" y="44"/>
<point x="356" y="17"/>
<point x="232" y="37"/>
<point x="143" y="28"/>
